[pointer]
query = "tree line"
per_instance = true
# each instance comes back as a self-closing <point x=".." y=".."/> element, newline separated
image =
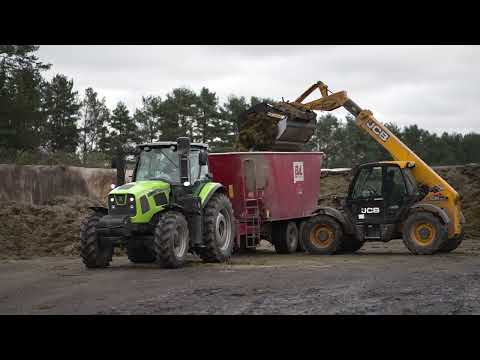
<point x="49" y="122"/>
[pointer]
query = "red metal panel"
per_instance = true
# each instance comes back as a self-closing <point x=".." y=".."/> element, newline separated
<point x="290" y="181"/>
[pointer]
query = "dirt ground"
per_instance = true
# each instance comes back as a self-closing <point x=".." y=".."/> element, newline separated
<point x="379" y="279"/>
<point x="41" y="273"/>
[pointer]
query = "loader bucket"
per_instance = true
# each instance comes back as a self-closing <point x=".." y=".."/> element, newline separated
<point x="280" y="127"/>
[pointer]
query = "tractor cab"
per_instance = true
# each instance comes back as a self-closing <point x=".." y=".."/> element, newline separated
<point x="379" y="197"/>
<point x="160" y="161"/>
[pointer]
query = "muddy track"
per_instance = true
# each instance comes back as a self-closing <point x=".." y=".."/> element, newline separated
<point x="380" y="279"/>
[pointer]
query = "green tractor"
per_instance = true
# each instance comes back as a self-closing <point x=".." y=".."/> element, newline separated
<point x="170" y="208"/>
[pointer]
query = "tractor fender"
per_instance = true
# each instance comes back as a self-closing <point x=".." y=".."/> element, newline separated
<point x="99" y="209"/>
<point x="337" y="215"/>
<point x="432" y="209"/>
<point x="208" y="190"/>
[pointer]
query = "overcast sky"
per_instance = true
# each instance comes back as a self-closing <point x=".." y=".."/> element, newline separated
<point x="436" y="87"/>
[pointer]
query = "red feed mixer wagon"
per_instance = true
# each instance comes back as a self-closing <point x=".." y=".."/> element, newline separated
<point x="273" y="194"/>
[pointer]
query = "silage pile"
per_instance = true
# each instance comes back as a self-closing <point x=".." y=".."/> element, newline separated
<point x="465" y="179"/>
<point x="28" y="231"/>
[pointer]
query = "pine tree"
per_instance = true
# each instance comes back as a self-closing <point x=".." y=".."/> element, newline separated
<point x="21" y="119"/>
<point x="95" y="116"/>
<point x="61" y="107"/>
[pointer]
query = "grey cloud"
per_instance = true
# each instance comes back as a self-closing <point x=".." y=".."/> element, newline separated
<point x="433" y="86"/>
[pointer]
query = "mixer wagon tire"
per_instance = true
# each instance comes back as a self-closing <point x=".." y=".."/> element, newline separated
<point x="452" y="244"/>
<point x="218" y="230"/>
<point x="301" y="228"/>
<point x="139" y="253"/>
<point x="91" y="251"/>
<point x="322" y="235"/>
<point x="424" y="233"/>
<point x="285" y="237"/>
<point x="171" y="240"/>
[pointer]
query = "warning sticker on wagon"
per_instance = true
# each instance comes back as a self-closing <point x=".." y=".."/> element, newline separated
<point x="297" y="171"/>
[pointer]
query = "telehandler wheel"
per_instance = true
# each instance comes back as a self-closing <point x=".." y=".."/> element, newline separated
<point x="452" y="244"/>
<point x="218" y="230"/>
<point x="171" y="240"/>
<point x="350" y="244"/>
<point x="139" y="253"/>
<point x="92" y="253"/>
<point x="285" y="237"/>
<point x="423" y="233"/>
<point x="322" y="235"/>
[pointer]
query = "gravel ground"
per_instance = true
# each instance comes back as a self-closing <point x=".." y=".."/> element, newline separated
<point x="379" y="279"/>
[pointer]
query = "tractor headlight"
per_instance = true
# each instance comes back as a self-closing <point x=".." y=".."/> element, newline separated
<point x="132" y="199"/>
<point x="112" y="199"/>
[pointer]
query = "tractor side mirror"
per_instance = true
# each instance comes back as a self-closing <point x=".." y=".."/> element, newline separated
<point x="203" y="158"/>
<point x="114" y="164"/>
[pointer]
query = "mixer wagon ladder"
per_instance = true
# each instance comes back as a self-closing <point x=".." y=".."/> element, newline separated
<point x="253" y="221"/>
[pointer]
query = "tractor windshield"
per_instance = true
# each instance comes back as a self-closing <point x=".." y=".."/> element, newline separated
<point x="162" y="164"/>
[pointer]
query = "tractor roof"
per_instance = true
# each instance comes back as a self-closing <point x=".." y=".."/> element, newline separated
<point x="170" y="143"/>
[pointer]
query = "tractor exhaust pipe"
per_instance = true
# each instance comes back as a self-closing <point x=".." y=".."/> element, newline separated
<point x="183" y="150"/>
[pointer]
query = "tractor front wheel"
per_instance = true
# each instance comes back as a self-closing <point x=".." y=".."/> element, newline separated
<point x="93" y="254"/>
<point x="171" y="240"/>
<point x="218" y="230"/>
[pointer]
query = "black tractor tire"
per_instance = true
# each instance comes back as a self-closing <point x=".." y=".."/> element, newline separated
<point x="171" y="240"/>
<point x="218" y="230"/>
<point x="91" y="252"/>
<point x="452" y="244"/>
<point x="285" y="237"/>
<point x="139" y="253"/>
<point x="322" y="235"/>
<point x="424" y="233"/>
<point x="350" y="244"/>
<point x="301" y="227"/>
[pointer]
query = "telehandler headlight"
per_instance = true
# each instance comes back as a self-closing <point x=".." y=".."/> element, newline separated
<point x="132" y="199"/>
<point x="112" y="199"/>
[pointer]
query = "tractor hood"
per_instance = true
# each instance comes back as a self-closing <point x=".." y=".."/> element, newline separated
<point x="141" y="188"/>
<point x="150" y="197"/>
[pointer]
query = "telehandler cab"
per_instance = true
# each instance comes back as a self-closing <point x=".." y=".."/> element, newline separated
<point x="170" y="208"/>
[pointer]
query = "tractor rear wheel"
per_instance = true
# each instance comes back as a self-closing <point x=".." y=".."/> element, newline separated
<point x="423" y="233"/>
<point x="171" y="240"/>
<point x="139" y="253"/>
<point x="322" y="235"/>
<point x="218" y="230"/>
<point x="452" y="244"/>
<point x="285" y="237"/>
<point x="93" y="254"/>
